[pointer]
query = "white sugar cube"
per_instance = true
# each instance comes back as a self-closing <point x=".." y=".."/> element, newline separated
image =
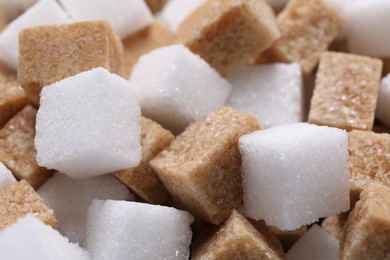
<point x="176" y="11"/>
<point x="295" y="174"/>
<point x="316" y="244"/>
<point x="130" y="230"/>
<point x="70" y="199"/>
<point x="89" y="125"/>
<point x="30" y="239"/>
<point x="6" y="176"/>
<point x="273" y="93"/>
<point x="125" y="16"/>
<point x="178" y="87"/>
<point x="383" y="107"/>
<point x="44" y="12"/>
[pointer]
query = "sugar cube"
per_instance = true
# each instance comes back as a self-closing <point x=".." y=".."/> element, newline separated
<point x="88" y="125"/>
<point x="14" y="8"/>
<point x="383" y="106"/>
<point x="295" y="174"/>
<point x="273" y="93"/>
<point x="6" y="176"/>
<point x="130" y="230"/>
<point x="334" y="225"/>
<point x="287" y="237"/>
<point x="177" y="87"/>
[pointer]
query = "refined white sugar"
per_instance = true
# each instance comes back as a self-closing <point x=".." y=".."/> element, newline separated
<point x="176" y="11"/>
<point x="6" y="176"/>
<point x="70" y="199"/>
<point x="89" y="125"/>
<point x="30" y="239"/>
<point x="44" y="12"/>
<point x="273" y="93"/>
<point x="316" y="244"/>
<point x="13" y="8"/>
<point x="295" y="174"/>
<point x="130" y="230"/>
<point x="277" y="4"/>
<point x="125" y="16"/>
<point x="383" y="107"/>
<point x="178" y="87"/>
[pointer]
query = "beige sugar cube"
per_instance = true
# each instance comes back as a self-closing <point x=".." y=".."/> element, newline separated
<point x="367" y="231"/>
<point x="334" y="225"/>
<point x="201" y="167"/>
<point x="17" y="150"/>
<point x="238" y="239"/>
<point x="156" y="5"/>
<point x="227" y="33"/>
<point x="154" y="36"/>
<point x="346" y="91"/>
<point x="142" y="179"/>
<point x="308" y="27"/>
<point x="53" y="52"/>
<point x="19" y="199"/>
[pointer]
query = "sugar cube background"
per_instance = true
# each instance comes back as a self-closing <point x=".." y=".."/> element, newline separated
<point x="273" y="93"/>
<point x="178" y="87"/>
<point x="42" y="13"/>
<point x="88" y="125"/>
<point x="156" y="5"/>
<point x="123" y="230"/>
<point x="383" y="106"/>
<point x="13" y="8"/>
<point x="295" y="174"/>
<point x="277" y="4"/>
<point x="6" y="176"/>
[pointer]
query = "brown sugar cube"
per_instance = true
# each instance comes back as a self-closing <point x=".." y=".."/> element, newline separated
<point x="17" y="148"/>
<point x="308" y="27"/>
<point x="53" y="52"/>
<point x="19" y="199"/>
<point x="3" y="19"/>
<point x="369" y="160"/>
<point x="154" y="36"/>
<point x="142" y="179"/>
<point x="238" y="239"/>
<point x="201" y="167"/>
<point x="367" y="231"/>
<point x="346" y="91"/>
<point x="334" y="225"/>
<point x="156" y="5"/>
<point x="227" y="33"/>
<point x="287" y="238"/>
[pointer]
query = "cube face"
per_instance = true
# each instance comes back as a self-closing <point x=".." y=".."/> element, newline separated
<point x="367" y="231"/>
<point x="383" y="106"/>
<point x="228" y="33"/>
<point x="6" y="176"/>
<point x="17" y="148"/>
<point x="73" y="48"/>
<point x="201" y="167"/>
<point x="281" y="187"/>
<point x="346" y="91"/>
<point x="88" y="125"/>
<point x="20" y="199"/>
<point x="142" y="179"/>
<point x="307" y="27"/>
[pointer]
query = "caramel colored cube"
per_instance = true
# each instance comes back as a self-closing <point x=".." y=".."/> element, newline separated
<point x="367" y="231"/>
<point x="334" y="225"/>
<point x="228" y="33"/>
<point x="17" y="148"/>
<point x="154" y="36"/>
<point x="53" y="52"/>
<point x="156" y="5"/>
<point x="346" y="91"/>
<point x="142" y="179"/>
<point x="369" y="160"/>
<point x="238" y="239"/>
<point x="19" y="199"/>
<point x="201" y="167"/>
<point x="308" y="27"/>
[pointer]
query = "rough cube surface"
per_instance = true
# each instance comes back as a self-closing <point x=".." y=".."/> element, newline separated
<point x="238" y="239"/>
<point x="51" y="53"/>
<point x="273" y="93"/>
<point x="70" y="199"/>
<point x="6" y="176"/>
<point x="334" y="225"/>
<point x="367" y="232"/>
<point x="346" y="91"/>
<point x="307" y="27"/>
<point x="19" y="199"/>
<point x="201" y="167"/>
<point x="383" y="106"/>
<point x="227" y="33"/>
<point x="88" y="125"/>
<point x="177" y="87"/>
<point x="17" y="148"/>
<point x="29" y="238"/>
<point x="295" y="174"/>
<point x="130" y="230"/>
<point x="142" y="179"/>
